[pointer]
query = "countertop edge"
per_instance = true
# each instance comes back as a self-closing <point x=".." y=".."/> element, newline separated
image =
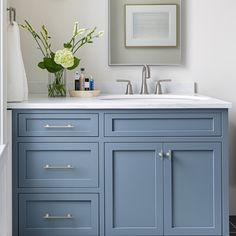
<point x="64" y="107"/>
<point x="103" y="104"/>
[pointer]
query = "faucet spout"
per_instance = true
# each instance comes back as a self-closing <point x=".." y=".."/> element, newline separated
<point x="147" y="71"/>
<point x="146" y="74"/>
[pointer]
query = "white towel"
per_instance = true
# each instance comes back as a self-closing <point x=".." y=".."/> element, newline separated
<point x="17" y="85"/>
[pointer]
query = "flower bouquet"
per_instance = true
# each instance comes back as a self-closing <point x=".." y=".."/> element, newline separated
<point x="57" y="62"/>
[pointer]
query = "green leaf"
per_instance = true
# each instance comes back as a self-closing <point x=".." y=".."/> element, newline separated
<point x="76" y="63"/>
<point x="68" y="45"/>
<point x="51" y="66"/>
<point x="52" y="55"/>
<point x="41" y="65"/>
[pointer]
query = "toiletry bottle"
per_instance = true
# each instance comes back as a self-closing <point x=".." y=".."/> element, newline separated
<point x="82" y="79"/>
<point x="77" y="84"/>
<point x="86" y="84"/>
<point x="91" y="83"/>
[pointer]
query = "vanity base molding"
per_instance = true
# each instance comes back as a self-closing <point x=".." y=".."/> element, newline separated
<point x="120" y="172"/>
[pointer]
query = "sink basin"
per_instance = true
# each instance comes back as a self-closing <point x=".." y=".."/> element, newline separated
<point x="155" y="97"/>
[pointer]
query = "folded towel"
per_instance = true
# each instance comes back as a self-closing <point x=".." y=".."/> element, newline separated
<point x="17" y="85"/>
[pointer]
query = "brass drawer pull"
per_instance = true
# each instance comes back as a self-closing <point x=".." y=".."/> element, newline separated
<point x="47" y="126"/>
<point x="50" y="217"/>
<point x="48" y="167"/>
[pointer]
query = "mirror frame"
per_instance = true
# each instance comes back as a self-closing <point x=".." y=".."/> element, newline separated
<point x="141" y="64"/>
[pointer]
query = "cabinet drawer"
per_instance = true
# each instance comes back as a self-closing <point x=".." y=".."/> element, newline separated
<point x="58" y="214"/>
<point x="58" y="165"/>
<point x="58" y="125"/>
<point x="164" y="124"/>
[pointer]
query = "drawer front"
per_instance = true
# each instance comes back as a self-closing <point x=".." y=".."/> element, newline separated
<point x="58" y="214"/>
<point x="59" y="125"/>
<point x="58" y="165"/>
<point x="165" y="125"/>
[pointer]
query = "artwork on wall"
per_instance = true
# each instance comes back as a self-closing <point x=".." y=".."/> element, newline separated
<point x="151" y="25"/>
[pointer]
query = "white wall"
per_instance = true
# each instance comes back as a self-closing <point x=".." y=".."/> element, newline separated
<point x="209" y="49"/>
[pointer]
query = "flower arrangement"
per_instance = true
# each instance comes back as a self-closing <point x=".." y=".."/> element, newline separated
<point x="57" y="62"/>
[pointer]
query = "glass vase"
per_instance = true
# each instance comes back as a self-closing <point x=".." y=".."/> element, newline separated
<point x="57" y="84"/>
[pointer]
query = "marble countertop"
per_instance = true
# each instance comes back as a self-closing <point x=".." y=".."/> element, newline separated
<point x="122" y="102"/>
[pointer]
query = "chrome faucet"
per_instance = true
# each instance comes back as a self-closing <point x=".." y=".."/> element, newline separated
<point x="145" y="75"/>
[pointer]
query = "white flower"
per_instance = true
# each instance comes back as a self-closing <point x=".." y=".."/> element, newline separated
<point x="64" y="57"/>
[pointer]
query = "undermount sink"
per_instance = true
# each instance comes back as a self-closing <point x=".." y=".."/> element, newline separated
<point x="154" y="97"/>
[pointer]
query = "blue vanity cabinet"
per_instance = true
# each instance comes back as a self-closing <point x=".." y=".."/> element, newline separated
<point x="134" y="189"/>
<point x="158" y="172"/>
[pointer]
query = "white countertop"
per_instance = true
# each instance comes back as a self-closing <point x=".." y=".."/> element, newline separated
<point x="122" y="102"/>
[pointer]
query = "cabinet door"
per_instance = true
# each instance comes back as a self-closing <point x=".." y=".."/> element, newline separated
<point x="192" y="189"/>
<point x="134" y="189"/>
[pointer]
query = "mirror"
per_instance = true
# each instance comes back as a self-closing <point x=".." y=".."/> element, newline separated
<point x="144" y="32"/>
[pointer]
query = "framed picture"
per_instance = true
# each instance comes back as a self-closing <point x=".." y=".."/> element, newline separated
<point x="151" y="25"/>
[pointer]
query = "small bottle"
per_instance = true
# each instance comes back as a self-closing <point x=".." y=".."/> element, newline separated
<point x="91" y="83"/>
<point x="82" y="79"/>
<point x="77" y="84"/>
<point x="86" y="84"/>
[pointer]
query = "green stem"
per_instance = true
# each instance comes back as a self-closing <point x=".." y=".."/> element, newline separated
<point x="77" y="43"/>
<point x="73" y="44"/>
<point x="44" y="54"/>
<point x="35" y="36"/>
<point x="84" y="41"/>
<point x="57" y="87"/>
<point x="79" y="47"/>
<point x="45" y="44"/>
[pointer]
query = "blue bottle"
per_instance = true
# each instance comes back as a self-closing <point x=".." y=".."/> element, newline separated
<point x="91" y="84"/>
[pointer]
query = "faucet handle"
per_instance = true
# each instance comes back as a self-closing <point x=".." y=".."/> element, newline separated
<point x="129" y="89"/>
<point x="158" y="85"/>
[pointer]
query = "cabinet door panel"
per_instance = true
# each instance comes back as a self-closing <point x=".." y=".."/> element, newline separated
<point x="134" y="189"/>
<point x="192" y="189"/>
